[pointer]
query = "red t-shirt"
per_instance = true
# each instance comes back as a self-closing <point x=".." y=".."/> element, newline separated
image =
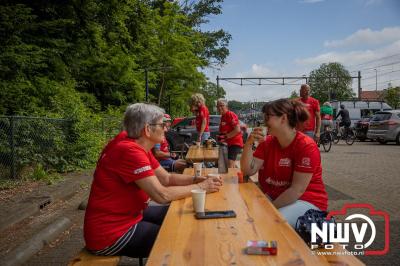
<point x="229" y="121"/>
<point x="116" y="203"/>
<point x="312" y="105"/>
<point x="302" y="155"/>
<point x="201" y="114"/>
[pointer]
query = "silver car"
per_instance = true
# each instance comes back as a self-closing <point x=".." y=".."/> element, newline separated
<point x="385" y="126"/>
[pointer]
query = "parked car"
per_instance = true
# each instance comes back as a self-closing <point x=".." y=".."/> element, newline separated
<point x="177" y="120"/>
<point x="361" y="127"/>
<point x="385" y="126"/>
<point x="185" y="131"/>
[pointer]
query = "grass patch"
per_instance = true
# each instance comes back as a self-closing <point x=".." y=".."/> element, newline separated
<point x="40" y="174"/>
<point x="6" y="184"/>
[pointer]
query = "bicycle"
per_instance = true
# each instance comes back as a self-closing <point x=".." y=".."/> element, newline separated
<point x="326" y="139"/>
<point x="343" y="133"/>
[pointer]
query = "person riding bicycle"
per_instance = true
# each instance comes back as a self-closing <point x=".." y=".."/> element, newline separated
<point x="326" y="116"/>
<point x="345" y="121"/>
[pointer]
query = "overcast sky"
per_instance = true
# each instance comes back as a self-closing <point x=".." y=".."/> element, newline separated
<point x="274" y="38"/>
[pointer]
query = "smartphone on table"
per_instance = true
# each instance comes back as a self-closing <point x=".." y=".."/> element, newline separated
<point x="215" y="214"/>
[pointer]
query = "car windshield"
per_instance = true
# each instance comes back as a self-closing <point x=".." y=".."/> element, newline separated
<point x="381" y="116"/>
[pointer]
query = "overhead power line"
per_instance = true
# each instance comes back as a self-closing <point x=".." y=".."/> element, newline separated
<point x="380" y="75"/>
<point x="372" y="68"/>
<point x="375" y="60"/>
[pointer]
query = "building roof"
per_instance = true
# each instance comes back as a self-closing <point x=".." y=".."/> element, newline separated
<point x="371" y="95"/>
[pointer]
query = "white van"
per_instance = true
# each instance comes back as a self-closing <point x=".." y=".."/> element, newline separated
<point x="360" y="109"/>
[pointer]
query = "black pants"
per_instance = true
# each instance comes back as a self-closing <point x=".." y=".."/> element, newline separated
<point x="145" y="234"/>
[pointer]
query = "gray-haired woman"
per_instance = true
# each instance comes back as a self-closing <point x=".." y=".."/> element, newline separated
<point x="118" y="220"/>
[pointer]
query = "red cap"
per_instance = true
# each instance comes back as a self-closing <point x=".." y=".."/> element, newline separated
<point x="167" y="117"/>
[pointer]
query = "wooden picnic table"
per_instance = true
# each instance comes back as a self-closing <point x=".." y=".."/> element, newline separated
<point x="202" y="154"/>
<point x="183" y="240"/>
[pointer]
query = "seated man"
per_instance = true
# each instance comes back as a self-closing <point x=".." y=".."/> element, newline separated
<point x="164" y="156"/>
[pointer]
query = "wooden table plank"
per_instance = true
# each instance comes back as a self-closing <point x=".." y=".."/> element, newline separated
<point x="211" y="154"/>
<point x="339" y="259"/>
<point x="183" y="240"/>
<point x="196" y="154"/>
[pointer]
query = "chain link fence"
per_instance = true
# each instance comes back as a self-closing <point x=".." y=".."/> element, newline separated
<point x="28" y="141"/>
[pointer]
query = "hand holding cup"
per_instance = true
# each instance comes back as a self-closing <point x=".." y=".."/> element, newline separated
<point x="257" y="135"/>
<point x="211" y="185"/>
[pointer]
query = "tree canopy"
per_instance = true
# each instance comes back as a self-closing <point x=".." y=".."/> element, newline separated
<point x="100" y="51"/>
<point x="331" y="82"/>
<point x="85" y="61"/>
<point x="392" y="97"/>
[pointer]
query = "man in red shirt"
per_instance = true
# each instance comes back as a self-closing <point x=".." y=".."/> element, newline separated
<point x="312" y="126"/>
<point x="202" y="116"/>
<point x="164" y="156"/>
<point x="291" y="173"/>
<point x="229" y="128"/>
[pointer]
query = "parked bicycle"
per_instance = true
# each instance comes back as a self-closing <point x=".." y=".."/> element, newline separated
<point x="343" y="133"/>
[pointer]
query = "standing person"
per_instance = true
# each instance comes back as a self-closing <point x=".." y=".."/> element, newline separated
<point x="229" y="127"/>
<point x="313" y="125"/>
<point x="202" y="117"/>
<point x="326" y="116"/>
<point x="344" y="113"/>
<point x="164" y="156"/>
<point x="290" y="161"/>
<point x="118" y="220"/>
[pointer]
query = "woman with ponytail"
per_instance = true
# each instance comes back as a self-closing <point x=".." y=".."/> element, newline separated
<point x="290" y="161"/>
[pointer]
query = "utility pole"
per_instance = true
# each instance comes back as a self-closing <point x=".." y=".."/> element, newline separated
<point x="376" y="79"/>
<point x="147" y="83"/>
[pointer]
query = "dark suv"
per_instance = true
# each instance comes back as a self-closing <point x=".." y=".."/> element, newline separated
<point x="185" y="131"/>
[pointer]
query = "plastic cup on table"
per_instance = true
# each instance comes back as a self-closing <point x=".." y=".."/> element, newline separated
<point x="199" y="199"/>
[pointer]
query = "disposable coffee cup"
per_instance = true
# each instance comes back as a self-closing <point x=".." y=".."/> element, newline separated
<point x="214" y="175"/>
<point x="199" y="199"/>
<point x="263" y="131"/>
<point x="197" y="169"/>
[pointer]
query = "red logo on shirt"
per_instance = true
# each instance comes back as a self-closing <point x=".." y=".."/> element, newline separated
<point x="305" y="162"/>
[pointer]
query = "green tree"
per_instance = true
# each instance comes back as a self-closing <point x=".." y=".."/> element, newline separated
<point x="331" y="82"/>
<point x="235" y="106"/>
<point x="214" y="47"/>
<point x="392" y="97"/>
<point x="294" y="95"/>
<point x="212" y="93"/>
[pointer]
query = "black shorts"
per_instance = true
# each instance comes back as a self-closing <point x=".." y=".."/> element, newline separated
<point x="233" y="152"/>
<point x="345" y="124"/>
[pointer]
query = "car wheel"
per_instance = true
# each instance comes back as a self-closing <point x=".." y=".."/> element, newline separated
<point x="381" y="141"/>
<point x="398" y="139"/>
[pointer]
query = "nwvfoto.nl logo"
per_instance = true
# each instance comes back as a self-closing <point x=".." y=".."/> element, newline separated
<point x="339" y="233"/>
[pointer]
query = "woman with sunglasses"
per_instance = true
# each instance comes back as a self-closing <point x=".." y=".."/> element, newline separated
<point x="290" y="161"/>
<point x="118" y="220"/>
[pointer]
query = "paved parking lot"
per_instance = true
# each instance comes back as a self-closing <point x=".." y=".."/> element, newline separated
<point x="365" y="172"/>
